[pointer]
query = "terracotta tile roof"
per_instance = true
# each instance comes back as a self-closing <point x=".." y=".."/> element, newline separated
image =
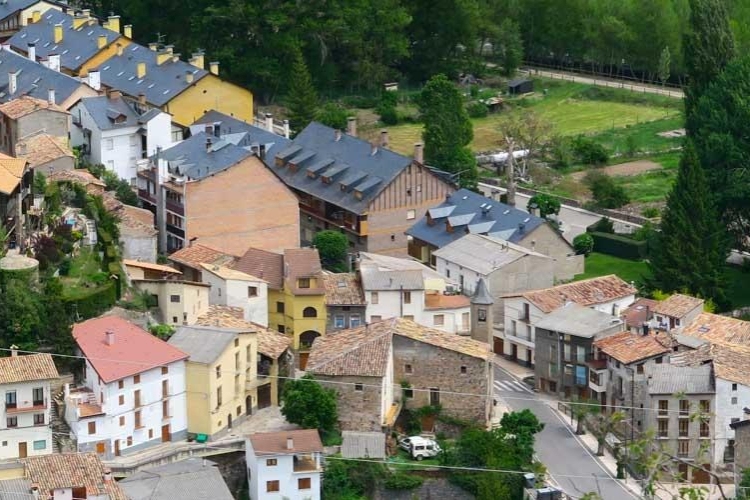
<point x="11" y="171"/>
<point x="24" y="105"/>
<point x="585" y="293"/>
<point x="42" y="148"/>
<point x="303" y="263"/>
<point x="343" y="289"/>
<point x="730" y="361"/>
<point x="442" y="301"/>
<point x="25" y="368"/>
<point x="66" y="470"/>
<point x="134" y="350"/>
<point x="228" y="273"/>
<point x="275" y="443"/>
<point x="628" y="347"/>
<point x="639" y="312"/>
<point x="197" y="254"/>
<point x="150" y="266"/>
<point x="136" y="221"/>
<point x="270" y="343"/>
<point x="78" y="175"/>
<point x="677" y="305"/>
<point x="263" y="264"/>
<point x="719" y="329"/>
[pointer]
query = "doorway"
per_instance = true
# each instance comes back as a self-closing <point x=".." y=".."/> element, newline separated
<point x="22" y="451"/>
<point x="264" y="396"/>
<point x="498" y="345"/>
<point x="100" y="448"/>
<point x="117" y="447"/>
<point x="229" y="421"/>
<point x="249" y="405"/>
<point x="165" y="434"/>
<point x="514" y="352"/>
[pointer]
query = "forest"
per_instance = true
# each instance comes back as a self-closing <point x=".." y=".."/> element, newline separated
<point x="354" y="46"/>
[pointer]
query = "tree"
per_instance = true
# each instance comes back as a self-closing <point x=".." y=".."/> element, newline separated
<point x="333" y="115"/>
<point x="606" y="193"/>
<point x="332" y="247"/>
<point x="301" y="99"/>
<point x="692" y="248"/>
<point x="603" y="424"/>
<point x="665" y="62"/>
<point x="509" y="47"/>
<point x="310" y="405"/>
<point x="744" y="486"/>
<point x="583" y="244"/>
<point x="448" y="130"/>
<point x="524" y="131"/>
<point x="547" y="204"/>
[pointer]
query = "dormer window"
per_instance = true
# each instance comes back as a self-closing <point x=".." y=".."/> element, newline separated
<point x="358" y="194"/>
<point x="303" y="283"/>
<point x="326" y="180"/>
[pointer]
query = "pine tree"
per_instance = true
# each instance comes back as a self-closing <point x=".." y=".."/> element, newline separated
<point x="692" y="247"/>
<point x="301" y="99"/>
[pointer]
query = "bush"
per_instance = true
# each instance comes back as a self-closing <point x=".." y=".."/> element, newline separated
<point x="603" y="225"/>
<point x="559" y="152"/>
<point x="93" y="303"/>
<point x="583" y="244"/>
<point x="547" y="204"/>
<point x="476" y="110"/>
<point x="387" y="108"/>
<point x="162" y="331"/>
<point x="606" y="193"/>
<point x="389" y="116"/>
<point x="589" y="152"/>
<point x="333" y="115"/>
<point x="650" y="212"/>
<point x="64" y="267"/>
<point x="402" y="481"/>
<point x="359" y="101"/>
<point x="619" y="246"/>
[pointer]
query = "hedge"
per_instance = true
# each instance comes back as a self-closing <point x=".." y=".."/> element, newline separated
<point x="619" y="246"/>
<point x="93" y="303"/>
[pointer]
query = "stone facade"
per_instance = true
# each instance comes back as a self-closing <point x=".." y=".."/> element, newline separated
<point x="547" y="241"/>
<point x="359" y="408"/>
<point x="741" y="447"/>
<point x="343" y="317"/>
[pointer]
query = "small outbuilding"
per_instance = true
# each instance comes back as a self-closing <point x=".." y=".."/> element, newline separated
<point x="520" y="86"/>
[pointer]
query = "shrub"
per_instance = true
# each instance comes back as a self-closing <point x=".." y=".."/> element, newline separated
<point x="606" y="193"/>
<point x="402" y="481"/>
<point x="547" y="204"/>
<point x="589" y="151"/>
<point x="161" y="331"/>
<point x="359" y="101"/>
<point x="650" y="212"/>
<point x="603" y="225"/>
<point x="389" y="116"/>
<point x="476" y="110"/>
<point x="583" y="244"/>
<point x="387" y="108"/>
<point x="64" y="267"/>
<point x="620" y="246"/>
<point x="559" y="152"/>
<point x="92" y="304"/>
<point x="333" y="115"/>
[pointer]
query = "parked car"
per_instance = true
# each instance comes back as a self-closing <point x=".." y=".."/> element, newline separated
<point x="419" y="448"/>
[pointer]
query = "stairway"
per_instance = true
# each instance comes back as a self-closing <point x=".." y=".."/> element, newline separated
<point x="61" y="441"/>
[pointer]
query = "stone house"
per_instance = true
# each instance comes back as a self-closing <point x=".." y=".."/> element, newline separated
<point x="345" y="301"/>
<point x="741" y="449"/>
<point x="28" y="116"/>
<point x="638" y="315"/>
<point x="676" y="311"/>
<point x="397" y="363"/>
<point x="564" y="343"/>
<point x="46" y="153"/>
<point x="138" y="236"/>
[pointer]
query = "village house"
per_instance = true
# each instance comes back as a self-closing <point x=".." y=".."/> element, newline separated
<point x="15" y="14"/>
<point x="231" y="287"/>
<point x="25" y="423"/>
<point x="365" y="190"/>
<point x="741" y="448"/>
<point x="219" y="193"/>
<point x="564" y="342"/>
<point x="676" y="311"/>
<point x="16" y="179"/>
<point x="190" y="260"/>
<point x="28" y="116"/>
<point x="520" y="312"/>
<point x="133" y="392"/>
<point x="638" y="315"/>
<point x="46" y="153"/>
<point x="466" y="212"/>
<point x="138" y="237"/>
<point x="433" y="368"/>
<point x="287" y="464"/>
<point x="266" y="137"/>
<point x="189" y="479"/>
<point x="345" y="301"/>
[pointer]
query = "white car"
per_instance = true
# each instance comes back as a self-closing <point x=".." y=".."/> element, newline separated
<point x="419" y="448"/>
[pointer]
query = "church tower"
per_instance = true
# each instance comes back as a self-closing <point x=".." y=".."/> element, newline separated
<point x="481" y="313"/>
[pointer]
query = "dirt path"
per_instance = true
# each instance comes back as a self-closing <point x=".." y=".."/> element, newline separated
<point x="622" y="169"/>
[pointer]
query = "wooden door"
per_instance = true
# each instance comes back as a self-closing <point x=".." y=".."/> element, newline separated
<point x="303" y="359"/>
<point x="264" y="396"/>
<point x="498" y="345"/>
<point x="117" y="447"/>
<point x="514" y="352"/>
<point x="165" y="434"/>
<point x="100" y="448"/>
<point x="249" y="405"/>
<point x="701" y="476"/>
<point x="22" y="452"/>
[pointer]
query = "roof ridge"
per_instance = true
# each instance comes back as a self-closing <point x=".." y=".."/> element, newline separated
<point x="360" y="345"/>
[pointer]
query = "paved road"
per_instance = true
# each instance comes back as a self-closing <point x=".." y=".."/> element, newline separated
<point x="557" y="447"/>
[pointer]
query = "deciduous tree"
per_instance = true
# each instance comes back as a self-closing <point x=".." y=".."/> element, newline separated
<point x="332" y="247"/>
<point x="309" y="404"/>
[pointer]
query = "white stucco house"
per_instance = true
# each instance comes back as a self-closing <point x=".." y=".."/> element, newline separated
<point x="230" y="287"/>
<point x="285" y="464"/>
<point x="117" y="132"/>
<point x="25" y="424"/>
<point x="133" y="395"/>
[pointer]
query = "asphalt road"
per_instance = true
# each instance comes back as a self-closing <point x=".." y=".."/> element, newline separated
<point x="558" y="447"/>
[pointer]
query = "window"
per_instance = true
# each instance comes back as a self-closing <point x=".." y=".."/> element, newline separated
<point x="407" y="369"/>
<point x="734" y="387"/>
<point x="239" y="411"/>
<point x="129" y="442"/>
<point x="438" y="319"/>
<point x="151" y="434"/>
<point x="10" y="399"/>
<point x="38" y="418"/>
<point x="407" y="297"/>
<point x="705" y="430"/>
<point x="525" y="312"/>
<point x="683" y="448"/>
<point x="252" y="291"/>
<point x="434" y="396"/>
<point x="354" y="321"/>
<point x="122" y="421"/>
<point x="165" y="409"/>
<point x="272" y="486"/>
<point x="705" y="405"/>
<point x="248" y="353"/>
<point x="38" y="396"/>
<point x="358" y="387"/>
<point x="663" y="430"/>
<point x="734" y="400"/>
<point x="174" y="299"/>
<point x="138" y="424"/>
<point x="658" y="360"/>
<point x="137" y="398"/>
<point x="164" y="370"/>
<point x="684" y="408"/>
<point x="411" y="214"/>
<point x="271" y="462"/>
<point x="304" y="483"/>
<point x="236" y="356"/>
<point x="120" y="384"/>
<point x="338" y="321"/>
<point x="580" y="353"/>
<point x="40" y="445"/>
<point x="92" y="428"/>
<point x="279" y="307"/>
<point x="121" y="399"/>
<point x="164" y="388"/>
<point x="566" y="352"/>
<point x="281" y="329"/>
<point x="309" y="312"/>
<point x="110" y="144"/>
<point x="303" y="282"/>
<point x="218" y="397"/>
<point x="683" y="428"/>
<point x="375" y="318"/>
<point x="12" y="422"/>
<point x="663" y="407"/>
<point x="218" y="371"/>
<point x="639" y="369"/>
<point x="463" y="369"/>
<point x="137" y="379"/>
<point x="374" y="298"/>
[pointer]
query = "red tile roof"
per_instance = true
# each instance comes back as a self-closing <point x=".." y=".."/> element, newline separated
<point x="265" y="265"/>
<point x="639" y="312"/>
<point x="584" y="293"/>
<point x="628" y="347"/>
<point x="196" y="254"/>
<point x="275" y="443"/>
<point x="303" y="263"/>
<point x="441" y="301"/>
<point x="677" y="305"/>
<point x="134" y="350"/>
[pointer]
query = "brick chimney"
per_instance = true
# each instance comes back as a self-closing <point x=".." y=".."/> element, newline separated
<point x="109" y="337"/>
<point x="289" y="443"/>
<point x="419" y="152"/>
<point x="213" y="67"/>
<point x="383" y="138"/>
<point x="351" y="126"/>
<point x="127" y="31"/>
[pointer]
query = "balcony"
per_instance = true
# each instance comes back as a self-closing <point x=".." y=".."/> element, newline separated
<point x="344" y="222"/>
<point x="597" y="364"/>
<point x="598" y="381"/>
<point x="25" y="406"/>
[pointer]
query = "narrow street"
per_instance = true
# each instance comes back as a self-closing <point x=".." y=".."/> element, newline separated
<point x="557" y="446"/>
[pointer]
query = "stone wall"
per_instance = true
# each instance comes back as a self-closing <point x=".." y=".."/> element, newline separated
<point x="359" y="410"/>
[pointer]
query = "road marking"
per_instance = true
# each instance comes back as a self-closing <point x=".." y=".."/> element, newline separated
<point x="511" y="386"/>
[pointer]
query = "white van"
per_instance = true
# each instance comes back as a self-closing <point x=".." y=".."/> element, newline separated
<point x="419" y="448"/>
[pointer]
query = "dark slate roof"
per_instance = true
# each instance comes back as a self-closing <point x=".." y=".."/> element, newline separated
<point x="33" y="79"/>
<point x="255" y="135"/>
<point x="12" y="6"/>
<point x="353" y="166"/>
<point x="77" y="45"/>
<point x="194" y="159"/>
<point x="191" y="479"/>
<point x="482" y="296"/>
<point x="117" y="113"/>
<point x="161" y="82"/>
<point x="465" y="211"/>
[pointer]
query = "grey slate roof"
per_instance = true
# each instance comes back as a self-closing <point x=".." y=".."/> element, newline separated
<point x="670" y="379"/>
<point x="33" y="79"/>
<point x="481" y="295"/>
<point x="470" y="212"/>
<point x="353" y="163"/>
<point x="161" y="82"/>
<point x="77" y="45"/>
<point x="483" y="254"/>
<point x="15" y="489"/>
<point x="254" y="135"/>
<point x="383" y="272"/>
<point x="189" y="479"/>
<point x="204" y="344"/>
<point x="363" y="444"/>
<point x="577" y="320"/>
<point x="194" y="159"/>
<point x="105" y="111"/>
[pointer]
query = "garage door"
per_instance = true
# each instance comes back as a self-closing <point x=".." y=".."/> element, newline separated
<point x="264" y="396"/>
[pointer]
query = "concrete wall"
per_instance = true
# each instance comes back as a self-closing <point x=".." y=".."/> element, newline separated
<point x="359" y="410"/>
<point x="138" y="247"/>
<point x="725" y="410"/>
<point x="38" y="438"/>
<point x="547" y="241"/>
<point x="231" y="292"/>
<point x="45" y="121"/>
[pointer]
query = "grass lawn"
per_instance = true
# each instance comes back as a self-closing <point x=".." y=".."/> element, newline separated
<point x="650" y="187"/>
<point x="645" y="136"/>
<point x="82" y="267"/>
<point x="403" y="458"/>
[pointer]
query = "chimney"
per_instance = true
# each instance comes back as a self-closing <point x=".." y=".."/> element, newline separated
<point x="188" y="76"/>
<point x="351" y="126"/>
<point x="51" y="96"/>
<point x="94" y="79"/>
<point x="36" y="16"/>
<point x="269" y="122"/>
<point x="140" y="70"/>
<point x="79" y="21"/>
<point x="114" y="94"/>
<point x="86" y="13"/>
<point x="142" y="99"/>
<point x="119" y="49"/>
<point x="14" y="350"/>
<point x="289" y="443"/>
<point x="35" y="491"/>
<point x="163" y="56"/>
<point x="31" y="51"/>
<point x="419" y="152"/>
<point x="169" y="49"/>
<point x="287" y="129"/>
<point x="383" y="138"/>
<point x="113" y="23"/>
<point x="12" y="82"/>
<point x="58" y="32"/>
<point x="198" y="60"/>
<point x="110" y="337"/>
<point x="153" y="46"/>
<point x="373" y="148"/>
<point x="337" y="135"/>
<point x="101" y="41"/>
<point x="127" y="31"/>
<point x="213" y="67"/>
<point x="53" y="62"/>
<point x="107" y="475"/>
<point x="208" y="144"/>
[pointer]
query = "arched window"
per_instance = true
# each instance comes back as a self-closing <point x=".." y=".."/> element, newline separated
<point x="310" y="312"/>
<point x="307" y="338"/>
